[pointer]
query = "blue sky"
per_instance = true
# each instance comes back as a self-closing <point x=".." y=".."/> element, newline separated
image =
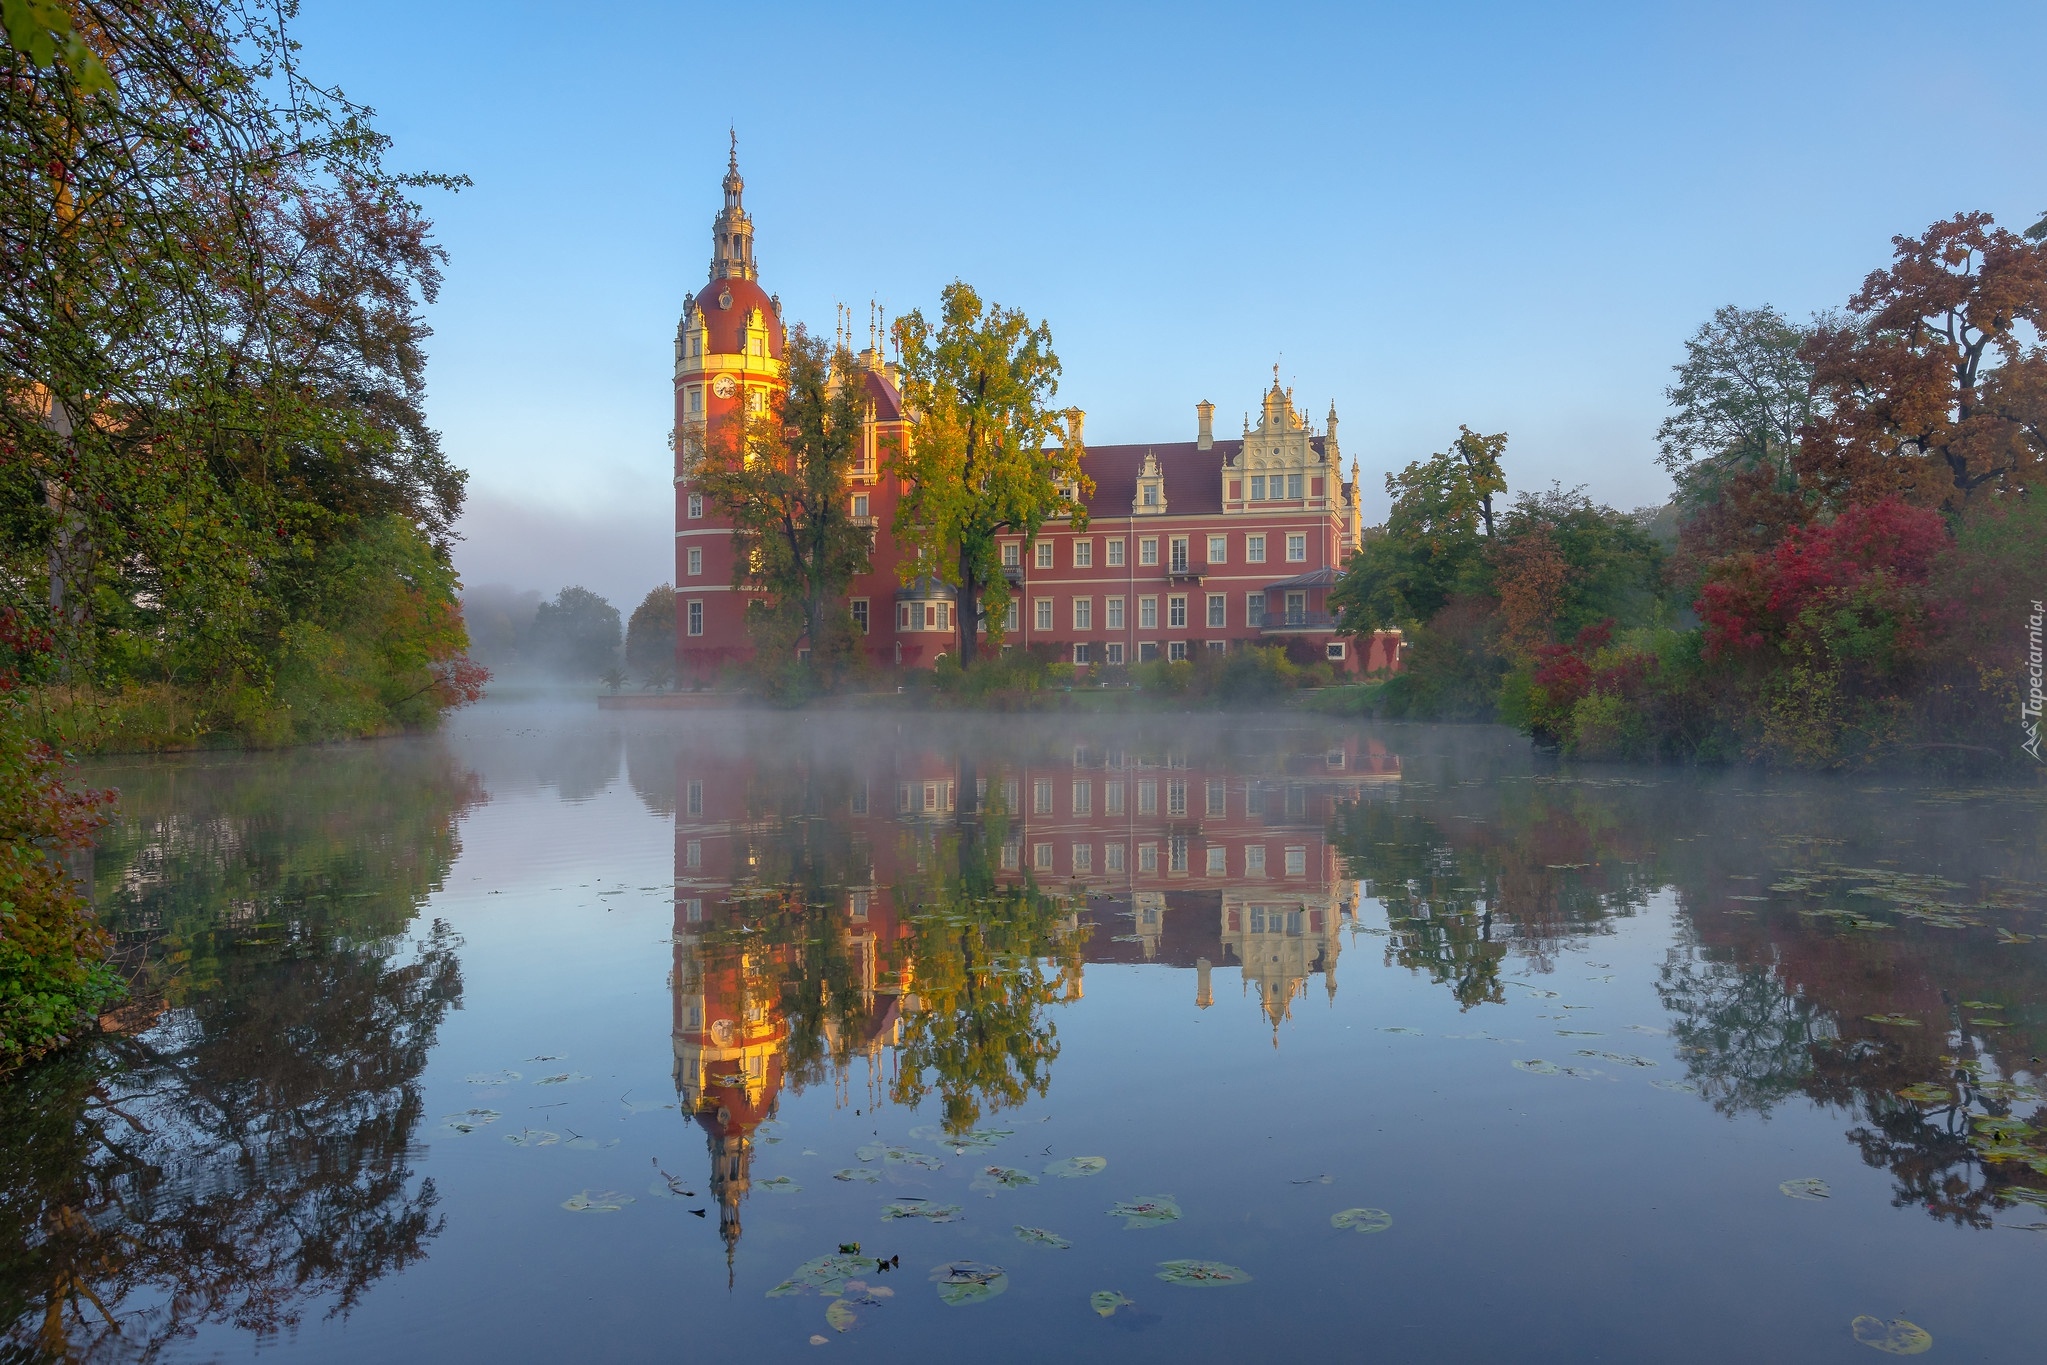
<point x="1505" y="216"/>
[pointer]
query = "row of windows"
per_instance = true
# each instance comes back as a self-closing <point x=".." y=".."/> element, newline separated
<point x="1214" y="793"/>
<point x="1044" y="612"/>
<point x="1290" y="483"/>
<point x="1044" y="552"/>
<point x="1080" y="858"/>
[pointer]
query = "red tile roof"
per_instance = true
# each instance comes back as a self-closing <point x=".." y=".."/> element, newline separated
<point x="1194" y="481"/>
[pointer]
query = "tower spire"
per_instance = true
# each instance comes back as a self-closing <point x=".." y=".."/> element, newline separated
<point x="732" y="229"/>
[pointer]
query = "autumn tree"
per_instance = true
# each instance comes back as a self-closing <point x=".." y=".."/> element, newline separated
<point x="989" y="454"/>
<point x="1935" y="389"/>
<point x="781" y="475"/>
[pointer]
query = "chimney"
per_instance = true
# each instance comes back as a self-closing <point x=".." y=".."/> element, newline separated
<point x="1204" y="438"/>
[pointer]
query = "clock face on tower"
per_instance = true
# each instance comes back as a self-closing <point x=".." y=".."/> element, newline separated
<point x="725" y="298"/>
<point x="722" y="386"/>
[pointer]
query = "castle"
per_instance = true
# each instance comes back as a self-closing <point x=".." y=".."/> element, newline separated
<point x="1203" y="544"/>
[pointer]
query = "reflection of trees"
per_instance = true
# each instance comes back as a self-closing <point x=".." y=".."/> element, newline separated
<point x="985" y="961"/>
<point x="251" y="1154"/>
<point x="1747" y="1042"/>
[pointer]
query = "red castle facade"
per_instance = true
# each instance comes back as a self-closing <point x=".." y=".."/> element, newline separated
<point x="1203" y="544"/>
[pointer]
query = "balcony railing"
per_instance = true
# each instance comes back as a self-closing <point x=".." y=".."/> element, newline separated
<point x="1300" y="620"/>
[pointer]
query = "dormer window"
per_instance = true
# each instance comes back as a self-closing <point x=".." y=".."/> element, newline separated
<point x="1151" y="495"/>
<point x="1151" y="487"/>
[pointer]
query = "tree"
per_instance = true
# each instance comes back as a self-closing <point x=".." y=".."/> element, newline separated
<point x="1432" y="546"/>
<point x="1933" y="391"/>
<point x="576" y="634"/>
<point x="1562" y="562"/>
<point x="781" y="477"/>
<point x="1743" y="394"/>
<point x="989" y="455"/>
<point x="650" y="637"/>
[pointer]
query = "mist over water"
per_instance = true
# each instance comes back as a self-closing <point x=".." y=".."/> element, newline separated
<point x="586" y="1034"/>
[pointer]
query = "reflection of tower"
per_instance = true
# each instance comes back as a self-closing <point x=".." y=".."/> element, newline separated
<point x="1204" y="993"/>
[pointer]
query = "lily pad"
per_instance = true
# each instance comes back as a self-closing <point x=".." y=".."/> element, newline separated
<point x="1003" y="1178"/>
<point x="964" y="1282"/>
<point x="1901" y="1020"/>
<point x="469" y="1120"/>
<point x="1896" y="1337"/>
<point x="825" y="1274"/>
<point x="1622" y="1058"/>
<point x="1040" y="1237"/>
<point x="920" y="1208"/>
<point x="1146" y="1213"/>
<point x="1537" y="1066"/>
<point x="562" y="1078"/>
<point x="1981" y="1005"/>
<point x="865" y="1174"/>
<point x="596" y="1201"/>
<point x="839" y="1317"/>
<point x="493" y="1078"/>
<point x="1362" y="1220"/>
<point x="975" y="1138"/>
<point x="1928" y="1092"/>
<point x="1686" y="1086"/>
<point x="533" y="1137"/>
<point x="1807" y="1187"/>
<point x="1202" y="1274"/>
<point x="1989" y="1023"/>
<point x="1074" y="1167"/>
<point x="898" y="1156"/>
<point x="1401" y="1028"/>
<point x="1578" y="1033"/>
<point x="1105" y="1302"/>
<point x="778" y="1184"/>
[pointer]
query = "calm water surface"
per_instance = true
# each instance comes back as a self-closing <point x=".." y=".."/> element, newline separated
<point x="584" y="1035"/>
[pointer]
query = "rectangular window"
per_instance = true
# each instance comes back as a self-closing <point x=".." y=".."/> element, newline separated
<point x="1083" y="654"/>
<point x="1112" y="798"/>
<point x="1009" y="616"/>
<point x="1258" y="488"/>
<point x="1147" y="797"/>
<point x="1218" y="646"/>
<point x="1012" y="852"/>
<point x="1176" y="650"/>
<point x="856" y="904"/>
<point x="860" y="800"/>
<point x="1146" y="652"/>
<point x="1147" y="857"/>
<point x="1010" y="802"/>
<point x="1083" y="858"/>
<point x="1297" y="862"/>
<point x="696" y="400"/>
<point x="1179" y="554"/>
<point x="1044" y="554"/>
<point x="1218" y="861"/>
<point x="860" y="505"/>
<point x="696" y="505"/>
<point x="1083" y="613"/>
<point x="1176" y="798"/>
<point x="1083" y="554"/>
<point x="1113" y="654"/>
<point x="1176" y="610"/>
<point x="1333" y="650"/>
<point x="1293" y="486"/>
<point x="696" y="618"/>
<point x="1296" y="549"/>
<point x="693" y="911"/>
<point x="1218" y="549"/>
<point x="693" y="854"/>
<point x="860" y="614"/>
<point x="1115" y="613"/>
<point x="1215" y="795"/>
<point x="1151" y="495"/>
<point x="903" y="616"/>
<point x="1254" y="609"/>
<point x="1044" y="605"/>
<point x="1218" y="611"/>
<point x="1254" y="861"/>
<point x="695" y="803"/>
<point x="1148" y="551"/>
<point x="1041" y="857"/>
<point x="1041" y="798"/>
<point x="1112" y="857"/>
<point x="1083" y="798"/>
<point x="1297" y="609"/>
<point x="1254" y="803"/>
<point x="1176" y="848"/>
<point x="1115" y="553"/>
<point x="696" y="559"/>
<point x="1147" y="613"/>
<point x="1254" y="549"/>
<point x="945" y="616"/>
<point x="905" y="798"/>
<point x="1012" y="554"/>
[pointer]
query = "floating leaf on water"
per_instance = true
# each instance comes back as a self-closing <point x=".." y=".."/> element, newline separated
<point x="1401" y="1028"/>
<point x="2005" y="935"/>
<point x="898" y="1156"/>
<point x="493" y="1078"/>
<point x="596" y="1201"/>
<point x="1074" y="1167"/>
<point x="1989" y="1023"/>
<point x="1652" y="1032"/>
<point x="977" y="1138"/>
<point x="562" y="1078"/>
<point x="1578" y="1033"/>
<point x="839" y="1317"/>
<point x="780" y="1184"/>
<point x="866" y="1174"/>
<point x="1686" y="1086"/>
<point x="1201" y="1273"/>
<point x="2025" y="1195"/>
<point x="548" y="1057"/>
<point x="1896" y="1337"/>
<point x="817" y="1340"/>
<point x="533" y="1137"/>
<point x="1362" y="1220"/>
<point x="1538" y="1067"/>
<point x="469" y="1120"/>
<point x="587" y="1144"/>
<point x="964" y="1282"/>
<point x="825" y="1274"/>
<point x="1808" y="1187"/>
<point x="1146" y="1213"/>
<point x="2002" y="1129"/>
<point x="1623" y="1058"/>
<point x="1902" y="1020"/>
<point x="1748" y="898"/>
<point x="1981" y="1005"/>
<point x="1040" y="1237"/>
<point x="1928" y="1092"/>
<point x="920" y="1208"/>
<point x="1003" y="1178"/>
<point x="1105" y="1302"/>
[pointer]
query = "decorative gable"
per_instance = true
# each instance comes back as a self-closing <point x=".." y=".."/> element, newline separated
<point x="1151" y="489"/>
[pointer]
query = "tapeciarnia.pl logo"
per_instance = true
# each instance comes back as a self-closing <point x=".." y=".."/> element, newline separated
<point x="2036" y="673"/>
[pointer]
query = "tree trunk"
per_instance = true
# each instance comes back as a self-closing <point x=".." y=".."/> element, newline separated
<point x="968" y="610"/>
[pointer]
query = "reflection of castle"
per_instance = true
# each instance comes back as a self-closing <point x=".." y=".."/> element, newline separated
<point x="1178" y="865"/>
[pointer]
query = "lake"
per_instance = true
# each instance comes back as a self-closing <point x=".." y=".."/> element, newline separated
<point x="626" y="1035"/>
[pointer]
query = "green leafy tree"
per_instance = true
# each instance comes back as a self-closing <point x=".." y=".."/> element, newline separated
<point x="989" y="454"/>
<point x="781" y="477"/>
<point x="1432" y="548"/>
<point x="1742" y="394"/>
<point x="650" y="637"/>
<point x="576" y="634"/>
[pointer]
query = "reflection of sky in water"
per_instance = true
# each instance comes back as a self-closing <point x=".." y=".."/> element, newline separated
<point x="1263" y="1047"/>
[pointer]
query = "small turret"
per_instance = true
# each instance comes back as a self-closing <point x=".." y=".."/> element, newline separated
<point x="1204" y="425"/>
